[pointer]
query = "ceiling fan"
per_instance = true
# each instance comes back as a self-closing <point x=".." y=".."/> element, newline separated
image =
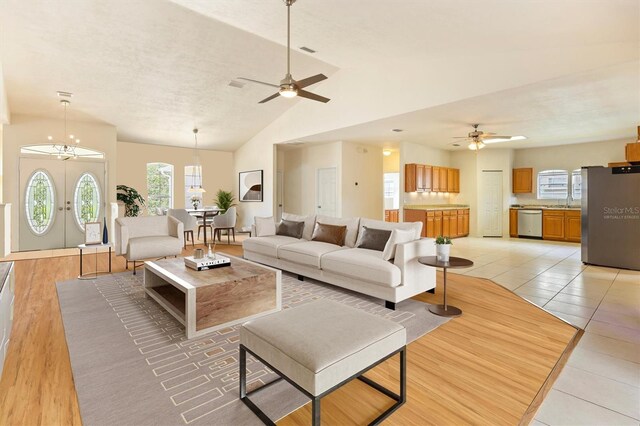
<point x="478" y="139"/>
<point x="288" y="87"/>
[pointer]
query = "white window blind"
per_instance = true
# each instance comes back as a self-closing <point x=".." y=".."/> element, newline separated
<point x="553" y="184"/>
<point x="576" y="184"/>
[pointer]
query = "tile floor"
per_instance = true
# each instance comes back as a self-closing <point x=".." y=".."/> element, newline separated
<point x="600" y="385"/>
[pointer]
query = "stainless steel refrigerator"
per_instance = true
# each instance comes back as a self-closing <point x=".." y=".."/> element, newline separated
<point x="611" y="216"/>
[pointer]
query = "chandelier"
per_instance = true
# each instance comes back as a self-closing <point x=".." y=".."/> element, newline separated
<point x="66" y="148"/>
<point x="196" y="183"/>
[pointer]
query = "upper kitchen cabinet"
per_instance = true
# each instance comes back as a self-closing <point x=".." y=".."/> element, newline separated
<point x="453" y="180"/>
<point x="425" y="178"/>
<point x="522" y="180"/>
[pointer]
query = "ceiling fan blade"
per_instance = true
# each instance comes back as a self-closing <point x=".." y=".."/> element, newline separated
<point x="258" y="81"/>
<point x="310" y="80"/>
<point x="275" y="95"/>
<point x="461" y="137"/>
<point x="312" y="96"/>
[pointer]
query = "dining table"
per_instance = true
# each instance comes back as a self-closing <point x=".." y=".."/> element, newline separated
<point x="204" y="213"/>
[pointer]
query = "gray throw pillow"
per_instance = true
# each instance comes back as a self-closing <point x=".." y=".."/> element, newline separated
<point x="374" y="239"/>
<point x="290" y="228"/>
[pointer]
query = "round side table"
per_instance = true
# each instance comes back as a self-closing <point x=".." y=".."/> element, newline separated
<point x="454" y="262"/>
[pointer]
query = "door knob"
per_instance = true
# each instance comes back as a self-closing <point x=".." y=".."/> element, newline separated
<point x="68" y="208"/>
<point x="68" y="202"/>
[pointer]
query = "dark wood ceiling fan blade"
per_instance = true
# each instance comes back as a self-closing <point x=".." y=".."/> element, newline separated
<point x="275" y="95"/>
<point x="258" y="81"/>
<point x="310" y="80"/>
<point x="312" y="96"/>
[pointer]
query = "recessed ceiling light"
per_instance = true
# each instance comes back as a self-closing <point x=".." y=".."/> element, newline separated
<point x="237" y="84"/>
<point x="397" y="130"/>
<point x="307" y="49"/>
<point x="456" y="144"/>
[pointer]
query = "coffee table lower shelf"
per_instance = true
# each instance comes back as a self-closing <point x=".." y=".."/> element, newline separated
<point x="206" y="301"/>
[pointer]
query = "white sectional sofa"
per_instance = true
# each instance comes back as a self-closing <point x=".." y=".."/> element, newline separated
<point x="358" y="269"/>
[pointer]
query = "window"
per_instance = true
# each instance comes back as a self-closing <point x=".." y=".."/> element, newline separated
<point x="189" y="182"/>
<point x="159" y="187"/>
<point x="87" y="200"/>
<point x="391" y="191"/>
<point x="39" y="202"/>
<point x="553" y="184"/>
<point x="576" y="184"/>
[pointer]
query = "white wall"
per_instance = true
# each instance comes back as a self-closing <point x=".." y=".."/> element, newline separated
<point x="29" y="130"/>
<point x="362" y="181"/>
<point x="566" y="157"/>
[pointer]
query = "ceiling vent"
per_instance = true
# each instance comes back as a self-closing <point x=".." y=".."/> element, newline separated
<point x="64" y="94"/>
<point x="397" y="130"/>
<point x="307" y="49"/>
<point x="237" y="84"/>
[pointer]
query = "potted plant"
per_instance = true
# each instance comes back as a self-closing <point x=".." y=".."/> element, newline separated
<point x="443" y="248"/>
<point x="131" y="199"/>
<point x="195" y="201"/>
<point x="224" y="200"/>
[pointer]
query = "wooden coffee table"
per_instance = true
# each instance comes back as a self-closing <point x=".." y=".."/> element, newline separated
<point x="205" y="301"/>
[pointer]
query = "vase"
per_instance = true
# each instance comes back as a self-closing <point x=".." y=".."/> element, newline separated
<point x="442" y="252"/>
<point x="105" y="232"/>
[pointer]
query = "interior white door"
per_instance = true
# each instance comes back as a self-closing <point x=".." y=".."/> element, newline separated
<point x="85" y="200"/>
<point x="57" y="198"/>
<point x="279" y="195"/>
<point x="491" y="203"/>
<point x="326" y="192"/>
<point x="42" y="196"/>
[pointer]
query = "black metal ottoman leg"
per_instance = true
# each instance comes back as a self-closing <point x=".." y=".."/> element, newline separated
<point x="243" y="372"/>
<point x="316" y="411"/>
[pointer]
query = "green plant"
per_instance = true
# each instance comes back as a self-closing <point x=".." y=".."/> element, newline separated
<point x="443" y="240"/>
<point x="132" y="200"/>
<point x="224" y="200"/>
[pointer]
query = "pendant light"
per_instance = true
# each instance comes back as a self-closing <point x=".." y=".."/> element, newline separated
<point x="196" y="185"/>
<point x="66" y="148"/>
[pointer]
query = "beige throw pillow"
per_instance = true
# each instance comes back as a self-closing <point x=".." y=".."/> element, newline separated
<point x="265" y="226"/>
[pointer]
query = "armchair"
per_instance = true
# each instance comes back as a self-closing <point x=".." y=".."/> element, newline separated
<point x="190" y="223"/>
<point x="225" y="221"/>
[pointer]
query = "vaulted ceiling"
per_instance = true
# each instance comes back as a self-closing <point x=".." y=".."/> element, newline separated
<point x="561" y="71"/>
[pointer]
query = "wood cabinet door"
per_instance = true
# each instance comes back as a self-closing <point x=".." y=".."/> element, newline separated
<point x="410" y="178"/>
<point x="420" y="177"/>
<point x="522" y="180"/>
<point x="431" y="227"/>
<point x="451" y="177"/>
<point x="465" y="223"/>
<point x="453" y="224"/>
<point x="416" y="216"/>
<point x="572" y="225"/>
<point x="437" y="223"/>
<point x="456" y="181"/>
<point x="435" y="179"/>
<point x="553" y="225"/>
<point x="443" y="180"/>
<point x="395" y="216"/>
<point x="513" y="222"/>
<point x="460" y="225"/>
<point x="446" y="224"/>
<point x="427" y="178"/>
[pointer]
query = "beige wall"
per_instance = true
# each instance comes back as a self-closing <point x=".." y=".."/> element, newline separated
<point x="566" y="157"/>
<point x="362" y="181"/>
<point x="29" y="130"/>
<point x="391" y="163"/>
<point x="217" y="169"/>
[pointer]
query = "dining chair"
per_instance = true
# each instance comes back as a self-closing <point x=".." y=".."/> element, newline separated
<point x="189" y="222"/>
<point x="225" y="221"/>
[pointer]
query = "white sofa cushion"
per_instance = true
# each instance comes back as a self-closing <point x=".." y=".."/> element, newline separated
<point x="269" y="245"/>
<point x="153" y="247"/>
<point x="379" y="224"/>
<point x="265" y="226"/>
<point x="307" y="252"/>
<point x="351" y="224"/>
<point x="309" y="223"/>
<point x="362" y="264"/>
<point x="398" y="236"/>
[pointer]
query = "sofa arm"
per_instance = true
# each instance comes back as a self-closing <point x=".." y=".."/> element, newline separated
<point x="176" y="229"/>
<point x="414" y="273"/>
<point x="121" y="238"/>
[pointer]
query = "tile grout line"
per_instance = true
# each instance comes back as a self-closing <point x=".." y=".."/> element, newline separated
<point x="598" y="405"/>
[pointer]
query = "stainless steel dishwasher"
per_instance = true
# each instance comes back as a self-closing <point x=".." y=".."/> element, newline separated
<point x="530" y="223"/>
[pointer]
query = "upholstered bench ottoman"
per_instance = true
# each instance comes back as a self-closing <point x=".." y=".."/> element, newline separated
<point x="318" y="347"/>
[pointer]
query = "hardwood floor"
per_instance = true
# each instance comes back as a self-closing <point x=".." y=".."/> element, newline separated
<point x="486" y="366"/>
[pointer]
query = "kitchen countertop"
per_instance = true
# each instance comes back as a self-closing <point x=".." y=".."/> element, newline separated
<point x="435" y="206"/>
<point x="545" y="208"/>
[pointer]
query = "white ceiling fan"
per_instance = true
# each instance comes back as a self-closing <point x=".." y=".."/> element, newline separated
<point x="478" y="139"/>
<point x="288" y="87"/>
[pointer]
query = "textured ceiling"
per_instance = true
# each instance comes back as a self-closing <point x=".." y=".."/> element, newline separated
<point x="150" y="67"/>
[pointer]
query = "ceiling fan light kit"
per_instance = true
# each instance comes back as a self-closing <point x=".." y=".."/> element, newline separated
<point x="288" y="87"/>
<point x="478" y="139"/>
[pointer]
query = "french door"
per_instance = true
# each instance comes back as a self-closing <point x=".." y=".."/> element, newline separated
<point x="56" y="199"/>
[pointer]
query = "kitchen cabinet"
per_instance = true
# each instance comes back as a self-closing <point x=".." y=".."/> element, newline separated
<point x="425" y="178"/>
<point x="450" y="222"/>
<point x="437" y="223"/>
<point x="435" y="179"/>
<point x="446" y="223"/>
<point x="429" y="228"/>
<point x="444" y="184"/>
<point x="553" y="225"/>
<point x="522" y="180"/>
<point x="453" y="180"/>
<point x="513" y="222"/>
<point x="391" y="215"/>
<point x="461" y="223"/>
<point x="465" y="223"/>
<point x="572" y="226"/>
<point x="453" y="224"/>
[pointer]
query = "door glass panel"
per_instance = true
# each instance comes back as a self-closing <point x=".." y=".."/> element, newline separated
<point x="39" y="202"/>
<point x="87" y="200"/>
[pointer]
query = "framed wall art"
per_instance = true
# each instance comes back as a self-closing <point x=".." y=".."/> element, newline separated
<point x="251" y="186"/>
